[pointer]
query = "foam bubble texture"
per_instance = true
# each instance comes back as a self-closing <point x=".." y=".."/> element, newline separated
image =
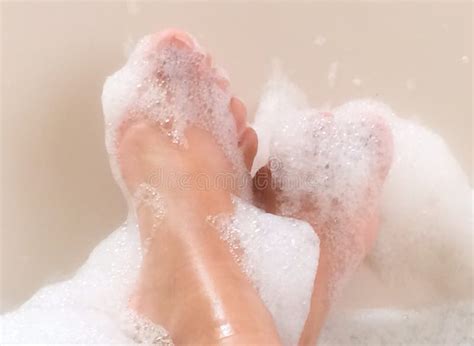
<point x="280" y="256"/>
<point x="426" y="216"/>
<point x="172" y="86"/>
<point x="144" y="331"/>
<point x="325" y="167"/>
<point x="438" y="325"/>
<point x="86" y="308"/>
<point x="147" y="196"/>
<point x="423" y="254"/>
<point x="175" y="86"/>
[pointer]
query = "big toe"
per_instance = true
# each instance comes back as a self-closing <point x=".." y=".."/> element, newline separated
<point x="176" y="37"/>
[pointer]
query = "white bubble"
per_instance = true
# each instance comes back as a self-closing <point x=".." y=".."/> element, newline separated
<point x="132" y="7"/>
<point x="128" y="46"/>
<point x="332" y="73"/>
<point x="357" y="82"/>
<point x="319" y="40"/>
<point x="410" y="84"/>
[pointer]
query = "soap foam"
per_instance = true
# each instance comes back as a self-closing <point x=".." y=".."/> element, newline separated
<point x="423" y="254"/>
<point x="148" y="196"/>
<point x="280" y="256"/>
<point x="328" y="168"/>
<point x="88" y="307"/>
<point x="169" y="84"/>
<point x="174" y="86"/>
<point x="448" y="324"/>
<point x="162" y="85"/>
<point x="426" y="215"/>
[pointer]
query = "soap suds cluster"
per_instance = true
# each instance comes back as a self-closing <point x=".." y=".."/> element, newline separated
<point x="87" y="308"/>
<point x="326" y="166"/>
<point x="425" y="235"/>
<point x="92" y="307"/>
<point x="280" y="256"/>
<point x="447" y="324"/>
<point x="175" y="86"/>
<point x="163" y="86"/>
<point x="144" y="331"/>
<point x="423" y="253"/>
<point x="147" y="196"/>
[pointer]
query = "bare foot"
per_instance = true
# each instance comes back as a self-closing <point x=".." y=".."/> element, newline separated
<point x="328" y="169"/>
<point x="184" y="132"/>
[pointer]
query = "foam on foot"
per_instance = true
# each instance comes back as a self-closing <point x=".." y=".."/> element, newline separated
<point x="416" y="284"/>
<point x="170" y="80"/>
<point x="280" y="256"/>
<point x="92" y="307"/>
<point x="327" y="168"/>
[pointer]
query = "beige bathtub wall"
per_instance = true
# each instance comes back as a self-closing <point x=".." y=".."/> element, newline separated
<point x="58" y="197"/>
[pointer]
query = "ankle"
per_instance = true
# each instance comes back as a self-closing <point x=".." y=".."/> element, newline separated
<point x="195" y="289"/>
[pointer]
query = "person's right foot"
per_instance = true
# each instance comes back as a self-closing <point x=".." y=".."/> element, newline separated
<point x="328" y="169"/>
<point x="183" y="131"/>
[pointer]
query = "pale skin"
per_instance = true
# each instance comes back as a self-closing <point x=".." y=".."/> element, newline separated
<point x="189" y="281"/>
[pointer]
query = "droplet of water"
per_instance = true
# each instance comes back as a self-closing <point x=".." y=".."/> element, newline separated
<point x="410" y="84"/>
<point x="357" y="82"/>
<point x="465" y="59"/>
<point x="320" y="40"/>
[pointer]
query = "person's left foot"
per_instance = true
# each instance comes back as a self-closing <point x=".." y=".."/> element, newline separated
<point x="330" y="176"/>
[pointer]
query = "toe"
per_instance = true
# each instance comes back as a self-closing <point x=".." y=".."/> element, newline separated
<point x="182" y="41"/>
<point x="239" y="111"/>
<point x="222" y="82"/>
<point x="248" y="141"/>
<point x="248" y="144"/>
<point x="221" y="78"/>
<point x="175" y="36"/>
